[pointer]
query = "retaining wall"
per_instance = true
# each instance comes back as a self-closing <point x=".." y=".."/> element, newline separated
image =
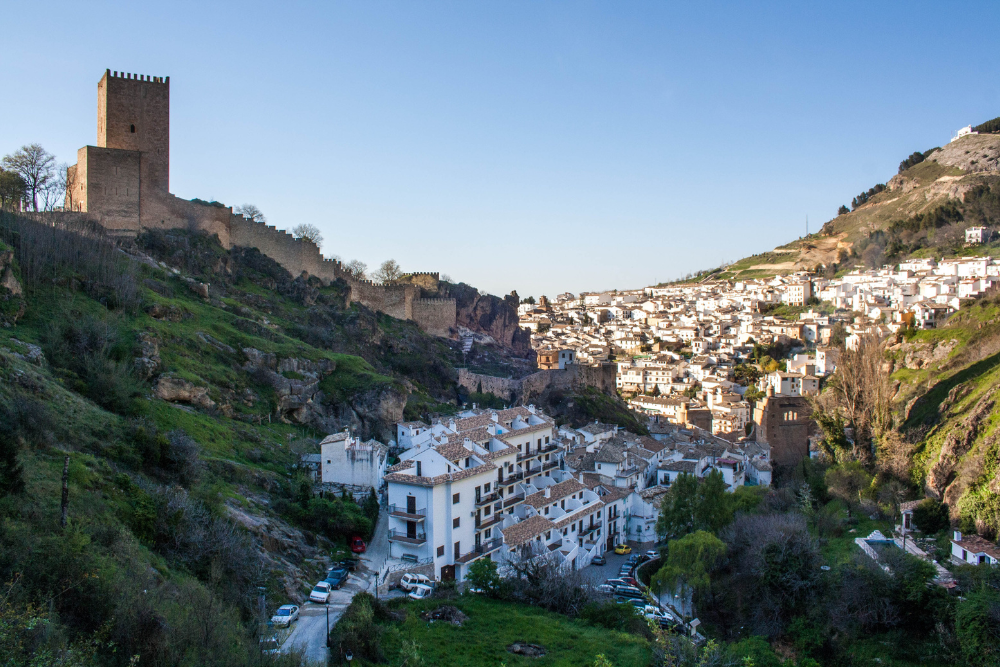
<point x="527" y="388"/>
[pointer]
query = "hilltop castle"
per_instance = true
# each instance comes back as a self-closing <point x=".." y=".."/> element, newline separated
<point x="123" y="183"/>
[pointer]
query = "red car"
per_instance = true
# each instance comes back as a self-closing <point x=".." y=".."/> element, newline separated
<point x="358" y="545"/>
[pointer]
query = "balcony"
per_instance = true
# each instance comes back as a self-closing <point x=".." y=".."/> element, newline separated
<point x="527" y="455"/>
<point x="401" y="512"/>
<point x="551" y="447"/>
<point x="481" y="550"/>
<point x="510" y="501"/>
<point x="550" y="465"/>
<point x="489" y="522"/>
<point x="513" y="477"/>
<point x="401" y="536"/>
<point x="487" y="499"/>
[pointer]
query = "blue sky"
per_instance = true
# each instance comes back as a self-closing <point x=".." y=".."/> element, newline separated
<point x="537" y="146"/>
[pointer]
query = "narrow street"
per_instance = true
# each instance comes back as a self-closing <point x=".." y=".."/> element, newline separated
<point x="310" y="631"/>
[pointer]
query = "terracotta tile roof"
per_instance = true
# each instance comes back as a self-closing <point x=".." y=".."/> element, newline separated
<point x="453" y="451"/>
<point x="909" y="505"/>
<point x="525" y="530"/>
<point x="578" y="514"/>
<point x="556" y="493"/>
<point x="506" y="451"/>
<point x="679" y="466"/>
<point x="978" y="545"/>
<point x="610" y="494"/>
<point x="651" y="444"/>
<point x="470" y="423"/>
<point x="439" y="479"/>
<point x="402" y="465"/>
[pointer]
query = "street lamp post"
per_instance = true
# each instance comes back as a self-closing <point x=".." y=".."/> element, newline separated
<point x="328" y="624"/>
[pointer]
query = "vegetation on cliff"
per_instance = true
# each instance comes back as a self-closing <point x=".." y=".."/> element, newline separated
<point x="181" y="381"/>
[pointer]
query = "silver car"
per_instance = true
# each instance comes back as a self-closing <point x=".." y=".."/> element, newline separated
<point x="285" y="615"/>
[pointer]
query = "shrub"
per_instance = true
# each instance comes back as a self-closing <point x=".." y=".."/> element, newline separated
<point x="931" y="515"/>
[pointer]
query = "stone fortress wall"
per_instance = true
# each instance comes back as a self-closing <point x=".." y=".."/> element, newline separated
<point x="123" y="184"/>
<point x="526" y="389"/>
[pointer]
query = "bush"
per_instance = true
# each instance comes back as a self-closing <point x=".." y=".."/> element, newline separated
<point x="357" y="630"/>
<point x="931" y="516"/>
<point x="977" y="624"/>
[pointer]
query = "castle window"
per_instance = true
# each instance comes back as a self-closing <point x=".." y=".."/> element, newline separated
<point x="132" y="129"/>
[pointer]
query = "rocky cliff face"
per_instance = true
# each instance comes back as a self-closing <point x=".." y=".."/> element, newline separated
<point x="492" y="316"/>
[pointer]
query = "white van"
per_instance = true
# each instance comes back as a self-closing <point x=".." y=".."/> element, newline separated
<point x="410" y="580"/>
<point x="421" y="592"/>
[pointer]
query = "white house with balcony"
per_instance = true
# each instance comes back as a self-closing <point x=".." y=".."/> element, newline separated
<point x="348" y="461"/>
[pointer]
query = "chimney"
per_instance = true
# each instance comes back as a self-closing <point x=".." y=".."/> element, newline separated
<point x="580" y="477"/>
<point x="548" y="492"/>
<point x="958" y="536"/>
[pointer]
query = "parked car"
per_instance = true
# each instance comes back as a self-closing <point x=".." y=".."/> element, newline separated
<point x="350" y="564"/>
<point x="604" y="588"/>
<point x="628" y="592"/>
<point x="622" y="549"/>
<point x="655" y="614"/>
<point x="336" y="577"/>
<point x="358" y="545"/>
<point x="616" y="582"/>
<point x="652" y="554"/>
<point x="638" y="603"/>
<point x="321" y="592"/>
<point x="631" y="581"/>
<point x="285" y="615"/>
<point x="409" y="581"/>
<point x="625" y="571"/>
<point x="421" y="592"/>
<point x="598" y="560"/>
<point x="634" y="559"/>
<point x="270" y="645"/>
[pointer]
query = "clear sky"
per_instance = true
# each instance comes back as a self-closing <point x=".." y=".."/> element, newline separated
<point x="537" y="146"/>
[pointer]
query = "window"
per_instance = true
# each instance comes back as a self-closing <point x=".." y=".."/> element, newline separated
<point x="458" y="549"/>
<point x="467" y="461"/>
<point x="440" y="551"/>
<point x="487" y="533"/>
<point x="546" y="440"/>
<point x="455" y="499"/>
<point x="132" y="129"/>
<point x="455" y="522"/>
<point x="546" y="510"/>
<point x="489" y="508"/>
<point x="548" y="534"/>
<point x="418" y="468"/>
<point x="539" y="442"/>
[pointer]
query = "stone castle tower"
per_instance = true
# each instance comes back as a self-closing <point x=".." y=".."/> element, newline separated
<point x="123" y="184"/>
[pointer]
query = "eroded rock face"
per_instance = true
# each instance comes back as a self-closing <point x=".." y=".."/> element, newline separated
<point x="941" y="478"/>
<point x="299" y="399"/>
<point x="920" y="354"/>
<point x="11" y="294"/>
<point x="492" y="316"/>
<point x="148" y="361"/>
<point x="176" y="390"/>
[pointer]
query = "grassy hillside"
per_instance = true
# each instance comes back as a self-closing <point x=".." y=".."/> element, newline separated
<point x="922" y="211"/>
<point x="948" y="378"/>
<point x="173" y="375"/>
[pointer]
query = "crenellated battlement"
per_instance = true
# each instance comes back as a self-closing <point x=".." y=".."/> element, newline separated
<point x="165" y="80"/>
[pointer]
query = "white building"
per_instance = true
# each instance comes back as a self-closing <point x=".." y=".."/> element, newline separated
<point x="348" y="461"/>
<point x="974" y="550"/>
<point x="977" y="235"/>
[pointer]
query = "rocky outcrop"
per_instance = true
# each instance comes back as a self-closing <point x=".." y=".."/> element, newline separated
<point x="148" y="361"/>
<point x="974" y="152"/>
<point x="11" y="294"/>
<point x="941" y="478"/>
<point x="492" y="316"/>
<point x="299" y="398"/>
<point x="176" y="390"/>
<point x="920" y="354"/>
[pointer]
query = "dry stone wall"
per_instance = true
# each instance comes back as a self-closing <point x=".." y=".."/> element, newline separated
<point x="528" y="388"/>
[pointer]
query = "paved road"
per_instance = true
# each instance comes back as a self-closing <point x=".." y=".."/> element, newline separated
<point x="311" y="630"/>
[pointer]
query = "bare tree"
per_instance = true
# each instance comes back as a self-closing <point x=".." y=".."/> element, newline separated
<point x="54" y="192"/>
<point x="35" y="165"/>
<point x="307" y="231"/>
<point x="862" y="391"/>
<point x="357" y="269"/>
<point x="388" y="272"/>
<point x="250" y="212"/>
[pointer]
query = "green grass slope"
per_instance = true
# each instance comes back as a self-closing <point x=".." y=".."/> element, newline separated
<point x="177" y="510"/>
<point x="948" y="379"/>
